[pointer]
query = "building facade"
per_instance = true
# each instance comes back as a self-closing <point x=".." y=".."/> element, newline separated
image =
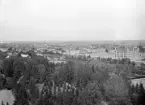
<point x="131" y="53"/>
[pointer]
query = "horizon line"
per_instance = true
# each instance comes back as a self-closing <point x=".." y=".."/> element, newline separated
<point x="68" y="40"/>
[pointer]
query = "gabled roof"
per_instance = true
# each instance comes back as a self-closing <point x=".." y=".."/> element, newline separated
<point x="3" y="49"/>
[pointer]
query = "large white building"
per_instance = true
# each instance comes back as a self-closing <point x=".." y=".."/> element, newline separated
<point x="131" y="53"/>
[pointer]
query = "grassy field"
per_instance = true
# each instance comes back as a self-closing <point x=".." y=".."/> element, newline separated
<point x="6" y="96"/>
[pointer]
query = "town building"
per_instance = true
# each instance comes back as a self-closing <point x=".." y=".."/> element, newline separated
<point x="128" y="52"/>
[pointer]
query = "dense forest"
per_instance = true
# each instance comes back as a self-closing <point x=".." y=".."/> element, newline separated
<point x="36" y="81"/>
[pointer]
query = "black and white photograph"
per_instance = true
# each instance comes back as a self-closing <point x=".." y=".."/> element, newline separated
<point x="72" y="52"/>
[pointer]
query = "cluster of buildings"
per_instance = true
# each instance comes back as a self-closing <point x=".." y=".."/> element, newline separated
<point x="74" y="52"/>
<point x="58" y="52"/>
<point x="53" y="55"/>
<point x="119" y="52"/>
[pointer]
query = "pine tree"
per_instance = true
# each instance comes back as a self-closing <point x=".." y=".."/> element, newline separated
<point x="137" y="88"/>
<point x="2" y="102"/>
<point x="141" y="94"/>
<point x="132" y="89"/>
<point x="141" y="89"/>
<point x="7" y="103"/>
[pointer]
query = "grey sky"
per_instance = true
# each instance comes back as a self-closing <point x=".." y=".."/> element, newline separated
<point x="72" y="19"/>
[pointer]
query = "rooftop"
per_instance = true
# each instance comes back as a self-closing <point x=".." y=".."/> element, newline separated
<point x="102" y="54"/>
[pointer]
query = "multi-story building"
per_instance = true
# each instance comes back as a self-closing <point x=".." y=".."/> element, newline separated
<point x="128" y="52"/>
<point x="120" y="53"/>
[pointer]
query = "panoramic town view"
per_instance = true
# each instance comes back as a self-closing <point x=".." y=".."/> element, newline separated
<point x="72" y="52"/>
<point x="106" y="73"/>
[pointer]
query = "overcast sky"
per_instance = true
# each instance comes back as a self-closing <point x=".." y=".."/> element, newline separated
<point x="26" y="20"/>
